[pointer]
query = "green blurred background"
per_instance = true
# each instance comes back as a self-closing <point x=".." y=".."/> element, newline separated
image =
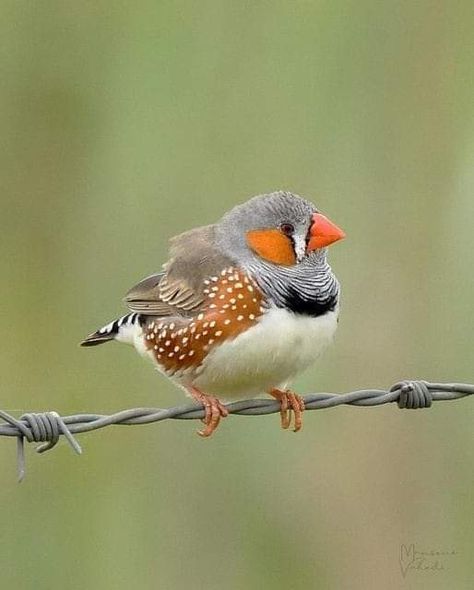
<point x="124" y="123"/>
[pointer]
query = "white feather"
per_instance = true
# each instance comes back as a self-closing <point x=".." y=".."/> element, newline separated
<point x="267" y="355"/>
<point x="132" y="334"/>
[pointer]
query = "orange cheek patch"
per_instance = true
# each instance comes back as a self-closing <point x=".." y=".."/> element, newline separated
<point x="272" y="245"/>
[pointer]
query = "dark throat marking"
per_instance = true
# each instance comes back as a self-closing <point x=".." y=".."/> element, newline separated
<point x="314" y="307"/>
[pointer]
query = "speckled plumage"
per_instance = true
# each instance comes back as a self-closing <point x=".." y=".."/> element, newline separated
<point x="179" y="345"/>
<point x="229" y="317"/>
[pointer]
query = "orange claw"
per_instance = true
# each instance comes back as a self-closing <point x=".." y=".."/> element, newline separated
<point x="289" y="401"/>
<point x="213" y="408"/>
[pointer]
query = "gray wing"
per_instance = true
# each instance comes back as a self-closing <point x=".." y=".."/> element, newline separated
<point x="178" y="289"/>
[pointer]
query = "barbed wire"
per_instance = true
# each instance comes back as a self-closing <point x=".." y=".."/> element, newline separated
<point x="48" y="427"/>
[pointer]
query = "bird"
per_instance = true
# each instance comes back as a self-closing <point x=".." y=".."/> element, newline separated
<point x="240" y="308"/>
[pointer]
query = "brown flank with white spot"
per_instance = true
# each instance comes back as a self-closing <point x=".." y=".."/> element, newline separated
<point x="233" y="305"/>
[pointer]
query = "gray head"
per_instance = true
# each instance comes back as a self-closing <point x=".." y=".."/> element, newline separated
<point x="278" y="229"/>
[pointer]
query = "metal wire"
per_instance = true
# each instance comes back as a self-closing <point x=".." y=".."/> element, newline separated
<point x="48" y="427"/>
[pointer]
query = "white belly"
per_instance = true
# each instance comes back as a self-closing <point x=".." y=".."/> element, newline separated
<point x="268" y="355"/>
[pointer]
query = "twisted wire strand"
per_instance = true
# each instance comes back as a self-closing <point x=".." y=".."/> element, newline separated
<point x="48" y="427"/>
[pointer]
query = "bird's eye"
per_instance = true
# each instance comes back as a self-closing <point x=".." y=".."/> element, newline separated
<point x="287" y="228"/>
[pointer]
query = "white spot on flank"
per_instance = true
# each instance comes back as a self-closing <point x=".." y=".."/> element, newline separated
<point x="185" y="340"/>
<point x="176" y="348"/>
<point x="181" y="357"/>
<point x="238" y="285"/>
<point x="222" y="296"/>
<point x="229" y="289"/>
<point x="171" y="354"/>
<point x="212" y="295"/>
<point x="212" y="306"/>
<point x="168" y="342"/>
<point x="250" y="288"/>
<point x="207" y="282"/>
<point x="227" y="322"/>
<point x="232" y="300"/>
<point x="218" y="333"/>
<point x="190" y="353"/>
<point x="251" y="316"/>
<point x="240" y="318"/>
<point x="210" y="341"/>
<point x="215" y="288"/>
<point x="212" y="324"/>
<point x="200" y="316"/>
<point x="214" y="279"/>
<point x="171" y="326"/>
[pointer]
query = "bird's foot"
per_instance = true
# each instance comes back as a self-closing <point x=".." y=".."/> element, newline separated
<point x="213" y="408"/>
<point x="289" y="401"/>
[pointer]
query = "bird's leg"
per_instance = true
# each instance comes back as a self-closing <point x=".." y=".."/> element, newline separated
<point x="213" y="409"/>
<point x="289" y="401"/>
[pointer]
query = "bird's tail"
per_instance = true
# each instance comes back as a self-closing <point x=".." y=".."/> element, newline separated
<point x="123" y="329"/>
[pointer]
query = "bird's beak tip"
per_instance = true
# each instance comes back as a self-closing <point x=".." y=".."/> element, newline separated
<point x="323" y="232"/>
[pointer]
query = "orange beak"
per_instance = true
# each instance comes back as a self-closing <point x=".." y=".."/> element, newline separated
<point x="323" y="232"/>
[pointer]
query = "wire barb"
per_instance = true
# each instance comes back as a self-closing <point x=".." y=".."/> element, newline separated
<point x="48" y="427"/>
<point x="413" y="394"/>
<point x="44" y="428"/>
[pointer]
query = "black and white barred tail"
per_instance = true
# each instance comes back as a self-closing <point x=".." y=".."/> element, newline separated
<point x="121" y="329"/>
